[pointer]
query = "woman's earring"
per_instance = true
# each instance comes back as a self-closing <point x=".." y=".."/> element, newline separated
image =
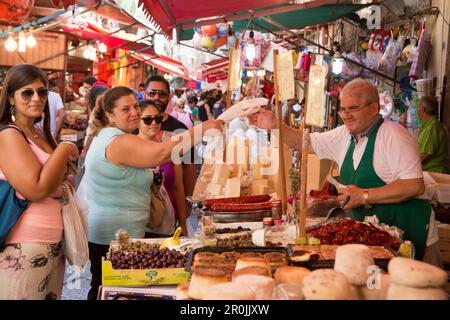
<point x="113" y="124"/>
<point x="13" y="117"/>
<point x="43" y="115"/>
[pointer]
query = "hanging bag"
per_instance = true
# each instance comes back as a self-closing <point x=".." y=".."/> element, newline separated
<point x="76" y="248"/>
<point x="11" y="206"/>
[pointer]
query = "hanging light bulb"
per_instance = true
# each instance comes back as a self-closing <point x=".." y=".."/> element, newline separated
<point x="10" y="43"/>
<point x="87" y="52"/>
<point x="22" y="41"/>
<point x="31" y="40"/>
<point x="102" y="48"/>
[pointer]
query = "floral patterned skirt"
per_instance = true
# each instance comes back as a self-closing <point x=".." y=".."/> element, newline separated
<point x="31" y="271"/>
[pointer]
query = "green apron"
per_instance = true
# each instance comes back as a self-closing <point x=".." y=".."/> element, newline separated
<point x="411" y="216"/>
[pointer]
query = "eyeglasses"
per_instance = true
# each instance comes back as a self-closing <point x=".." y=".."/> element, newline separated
<point x="149" y="120"/>
<point x="154" y="92"/>
<point x="351" y="109"/>
<point x="27" y="94"/>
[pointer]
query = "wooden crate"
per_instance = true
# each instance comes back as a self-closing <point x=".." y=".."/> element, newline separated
<point x="444" y="242"/>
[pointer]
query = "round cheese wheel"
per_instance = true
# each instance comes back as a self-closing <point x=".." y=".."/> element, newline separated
<point x="353" y="261"/>
<point x="376" y="290"/>
<point x="229" y="291"/>
<point x="399" y="292"/>
<point x="326" y="284"/>
<point x="261" y="285"/>
<point x="290" y="274"/>
<point x="417" y="274"/>
<point x="202" y="279"/>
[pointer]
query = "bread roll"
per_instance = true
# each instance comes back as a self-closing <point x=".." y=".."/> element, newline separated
<point x="230" y="254"/>
<point x="417" y="274"/>
<point x="206" y="255"/>
<point x="377" y="290"/>
<point x="290" y="274"/>
<point x="353" y="261"/>
<point x="258" y="271"/>
<point x="326" y="284"/>
<point x="253" y="262"/>
<point x="202" y="279"/>
<point x="182" y="291"/>
<point x="261" y="285"/>
<point x="399" y="292"/>
<point x="229" y="291"/>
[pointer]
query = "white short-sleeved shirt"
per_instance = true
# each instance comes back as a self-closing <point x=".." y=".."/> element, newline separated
<point x="396" y="154"/>
<point x="55" y="103"/>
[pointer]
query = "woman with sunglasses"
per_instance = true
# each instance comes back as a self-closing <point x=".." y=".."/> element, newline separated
<point x="150" y="129"/>
<point x="32" y="261"/>
<point x="117" y="177"/>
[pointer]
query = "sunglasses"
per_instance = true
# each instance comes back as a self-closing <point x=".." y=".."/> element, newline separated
<point x="149" y="120"/>
<point x="154" y="92"/>
<point x="27" y="94"/>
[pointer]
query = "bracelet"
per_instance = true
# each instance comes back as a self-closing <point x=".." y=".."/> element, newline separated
<point x="366" y="199"/>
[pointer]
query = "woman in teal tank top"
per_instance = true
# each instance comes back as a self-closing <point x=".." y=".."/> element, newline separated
<point x="117" y="177"/>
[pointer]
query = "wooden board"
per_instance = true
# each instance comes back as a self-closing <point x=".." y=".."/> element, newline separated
<point x="235" y="69"/>
<point x="285" y="69"/>
<point x="315" y="111"/>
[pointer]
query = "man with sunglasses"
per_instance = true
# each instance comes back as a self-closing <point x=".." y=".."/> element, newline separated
<point x="378" y="160"/>
<point x="158" y="90"/>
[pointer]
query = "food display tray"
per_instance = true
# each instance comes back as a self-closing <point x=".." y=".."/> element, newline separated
<point x="262" y="250"/>
<point x="242" y="216"/>
<point x="324" y="264"/>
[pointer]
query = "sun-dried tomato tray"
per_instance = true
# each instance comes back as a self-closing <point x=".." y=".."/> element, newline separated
<point x="190" y="255"/>
<point x="320" y="262"/>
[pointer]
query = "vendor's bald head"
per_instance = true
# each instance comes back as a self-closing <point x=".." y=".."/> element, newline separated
<point x="360" y="105"/>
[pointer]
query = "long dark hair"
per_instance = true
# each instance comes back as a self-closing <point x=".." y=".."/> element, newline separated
<point x="18" y="77"/>
<point x="144" y="104"/>
<point x="93" y="94"/>
<point x="106" y="103"/>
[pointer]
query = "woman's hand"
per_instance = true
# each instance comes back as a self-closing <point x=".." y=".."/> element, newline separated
<point x="264" y="119"/>
<point x="72" y="148"/>
<point x="212" y="124"/>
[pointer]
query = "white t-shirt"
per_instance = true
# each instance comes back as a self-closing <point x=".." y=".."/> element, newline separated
<point x="396" y="156"/>
<point x="55" y="103"/>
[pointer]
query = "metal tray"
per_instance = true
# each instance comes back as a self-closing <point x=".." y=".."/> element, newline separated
<point x="191" y="254"/>
<point x="328" y="264"/>
<point x="243" y="216"/>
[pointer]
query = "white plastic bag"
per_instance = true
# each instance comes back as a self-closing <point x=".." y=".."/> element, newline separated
<point x="76" y="247"/>
<point x="82" y="205"/>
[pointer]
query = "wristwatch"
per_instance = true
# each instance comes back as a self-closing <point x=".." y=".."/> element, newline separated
<point x="366" y="199"/>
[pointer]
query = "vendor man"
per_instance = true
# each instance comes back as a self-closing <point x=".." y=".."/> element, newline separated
<point x="432" y="137"/>
<point x="378" y="160"/>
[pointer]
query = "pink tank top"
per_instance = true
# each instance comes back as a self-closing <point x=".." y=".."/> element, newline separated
<point x="42" y="221"/>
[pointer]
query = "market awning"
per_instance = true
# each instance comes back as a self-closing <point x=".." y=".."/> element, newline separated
<point x="215" y="65"/>
<point x="165" y="64"/>
<point x="110" y="41"/>
<point x="291" y="20"/>
<point x="184" y="14"/>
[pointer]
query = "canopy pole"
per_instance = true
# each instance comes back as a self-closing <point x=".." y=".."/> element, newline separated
<point x="282" y="169"/>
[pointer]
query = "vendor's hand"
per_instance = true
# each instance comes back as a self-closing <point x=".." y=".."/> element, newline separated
<point x="212" y="124"/>
<point x="356" y="196"/>
<point x="264" y="119"/>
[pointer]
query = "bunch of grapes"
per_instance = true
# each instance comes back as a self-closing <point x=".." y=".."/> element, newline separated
<point x="151" y="259"/>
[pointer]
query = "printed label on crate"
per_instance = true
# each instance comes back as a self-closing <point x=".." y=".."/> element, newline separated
<point x="141" y="277"/>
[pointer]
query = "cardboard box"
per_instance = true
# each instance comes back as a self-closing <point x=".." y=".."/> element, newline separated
<point x="141" y="277"/>
<point x="317" y="172"/>
<point x="444" y="231"/>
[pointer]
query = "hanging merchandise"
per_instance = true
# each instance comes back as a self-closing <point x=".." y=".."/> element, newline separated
<point x="316" y="110"/>
<point x="391" y="55"/>
<point x="422" y="53"/>
<point x="386" y="104"/>
<point x="211" y="37"/>
<point x="350" y="70"/>
<point x="302" y="66"/>
<point x="286" y="82"/>
<point x="375" y="53"/>
<point x="254" y="49"/>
